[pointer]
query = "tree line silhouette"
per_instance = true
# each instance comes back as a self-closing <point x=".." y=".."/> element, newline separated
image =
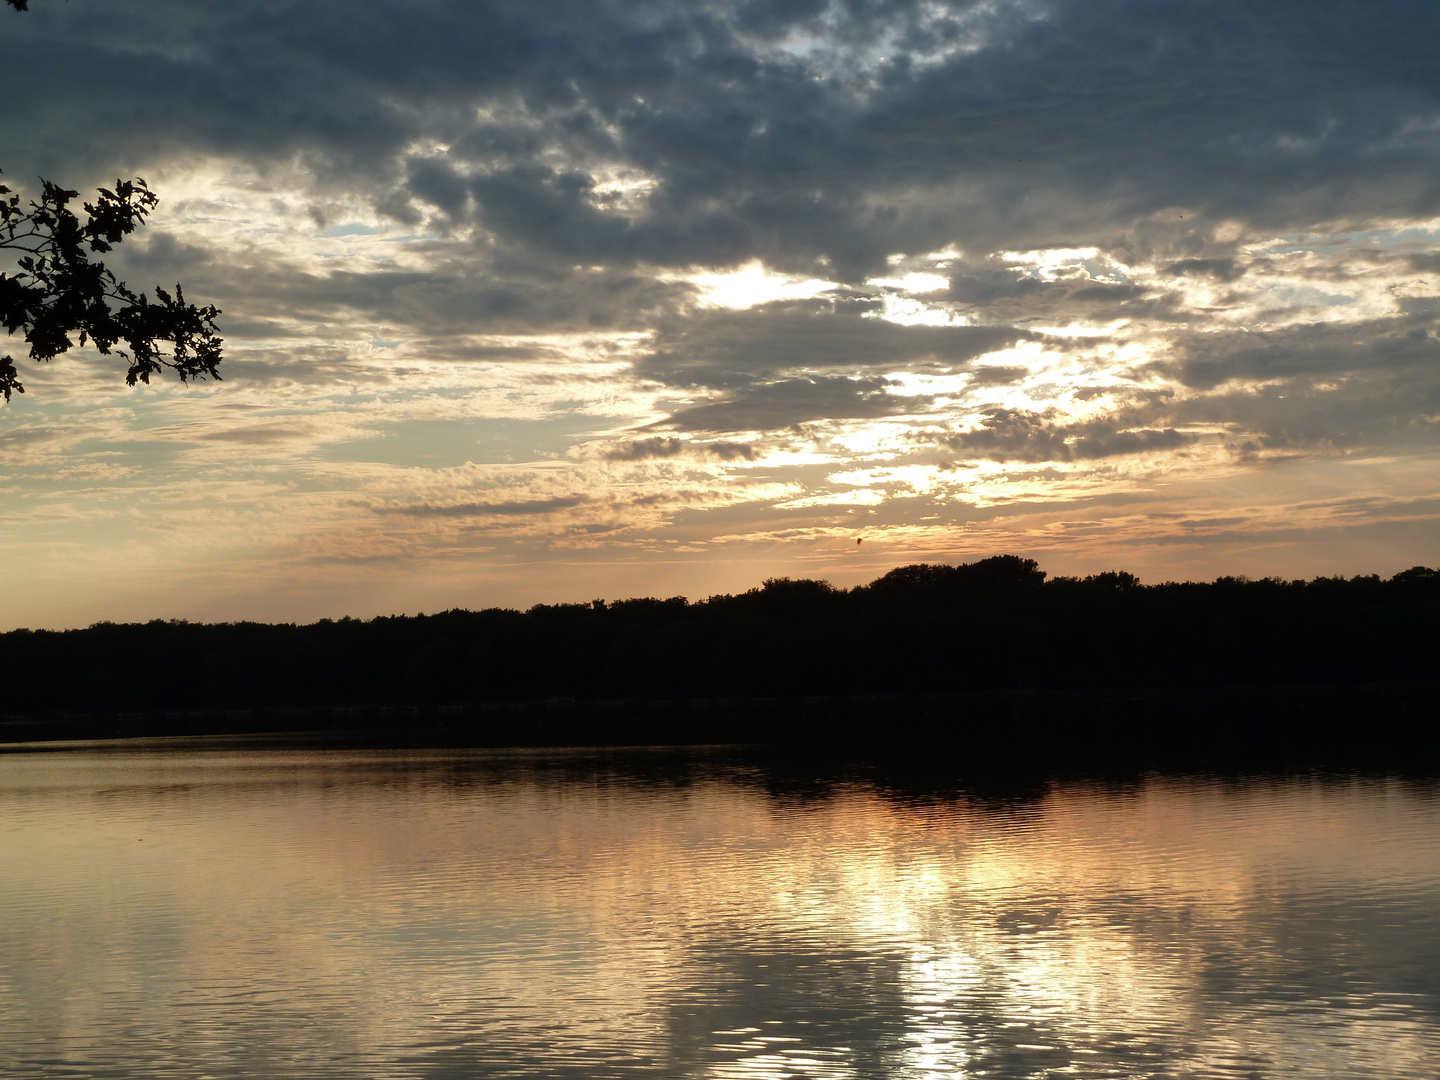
<point x="996" y="625"/>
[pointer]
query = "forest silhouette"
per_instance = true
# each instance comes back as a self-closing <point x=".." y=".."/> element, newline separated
<point x="987" y="651"/>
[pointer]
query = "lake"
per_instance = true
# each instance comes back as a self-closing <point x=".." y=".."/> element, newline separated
<point x="197" y="910"/>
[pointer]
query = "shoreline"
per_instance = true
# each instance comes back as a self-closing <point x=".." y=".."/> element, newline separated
<point x="1238" y="725"/>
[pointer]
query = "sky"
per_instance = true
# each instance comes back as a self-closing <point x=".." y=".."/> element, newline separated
<point x="534" y="301"/>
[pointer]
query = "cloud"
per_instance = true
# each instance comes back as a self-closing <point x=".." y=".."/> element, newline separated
<point x="729" y="348"/>
<point x="660" y="448"/>
<point x="1225" y="269"/>
<point x="790" y="402"/>
<point x="19" y="440"/>
<point x="261" y="434"/>
<point x="987" y="127"/>
<point x="1014" y="435"/>
<point x="510" y="508"/>
<point x="1380" y="414"/>
<point x="1209" y="360"/>
<point x="1192" y="238"/>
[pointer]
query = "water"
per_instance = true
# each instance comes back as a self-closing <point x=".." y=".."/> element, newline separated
<point x="304" y="913"/>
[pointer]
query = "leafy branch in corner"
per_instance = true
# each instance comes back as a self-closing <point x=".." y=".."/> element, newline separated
<point x="61" y="292"/>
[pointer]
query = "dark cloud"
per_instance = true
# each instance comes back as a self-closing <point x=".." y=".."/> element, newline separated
<point x="728" y="348"/>
<point x="984" y="125"/>
<point x="1019" y="435"/>
<point x="1000" y="295"/>
<point x="987" y="286"/>
<point x="554" y="154"/>
<point x="790" y="402"/>
<point x="444" y="301"/>
<point x="436" y="183"/>
<point x="773" y="18"/>
<point x="1108" y="292"/>
<point x="1311" y="415"/>
<point x="660" y="447"/>
<point x="996" y="375"/>
<point x="1226" y="269"/>
<point x="1211" y="359"/>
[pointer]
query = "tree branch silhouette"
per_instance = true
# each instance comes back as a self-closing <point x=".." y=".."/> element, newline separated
<point x="61" y="293"/>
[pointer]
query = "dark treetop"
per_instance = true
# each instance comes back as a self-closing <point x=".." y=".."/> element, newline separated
<point x="993" y="625"/>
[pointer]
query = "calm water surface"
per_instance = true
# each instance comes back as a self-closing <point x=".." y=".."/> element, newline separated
<point x="298" y="913"/>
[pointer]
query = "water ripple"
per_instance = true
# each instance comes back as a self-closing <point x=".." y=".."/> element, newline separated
<point x="169" y="913"/>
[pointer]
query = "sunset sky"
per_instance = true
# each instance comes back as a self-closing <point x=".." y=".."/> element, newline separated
<point x="532" y="301"/>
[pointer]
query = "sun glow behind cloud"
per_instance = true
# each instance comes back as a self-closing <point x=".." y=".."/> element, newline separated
<point x="751" y="285"/>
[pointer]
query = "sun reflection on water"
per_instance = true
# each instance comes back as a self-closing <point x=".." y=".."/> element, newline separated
<point x="450" y="914"/>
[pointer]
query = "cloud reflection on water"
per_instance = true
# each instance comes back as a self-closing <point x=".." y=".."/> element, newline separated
<point x="326" y="914"/>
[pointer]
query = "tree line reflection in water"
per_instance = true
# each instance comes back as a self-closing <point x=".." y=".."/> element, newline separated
<point x="308" y="912"/>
